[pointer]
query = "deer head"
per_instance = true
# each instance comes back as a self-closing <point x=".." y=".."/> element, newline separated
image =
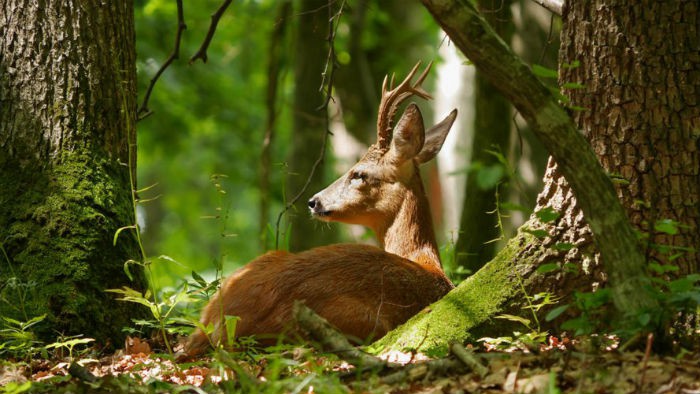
<point x="384" y="191"/>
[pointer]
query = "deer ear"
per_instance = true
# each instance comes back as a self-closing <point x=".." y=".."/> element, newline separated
<point x="435" y="137"/>
<point x="408" y="136"/>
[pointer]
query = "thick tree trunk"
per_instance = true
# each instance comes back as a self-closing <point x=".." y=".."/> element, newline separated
<point x="309" y="123"/>
<point x="641" y="89"/>
<point x="67" y="111"/>
<point x="638" y="65"/>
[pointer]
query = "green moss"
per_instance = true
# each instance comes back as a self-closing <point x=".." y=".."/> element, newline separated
<point x="466" y="312"/>
<point x="57" y="222"/>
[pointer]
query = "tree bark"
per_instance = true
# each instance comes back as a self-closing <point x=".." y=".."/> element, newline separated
<point x="67" y="120"/>
<point x="641" y="84"/>
<point x="613" y="234"/>
<point x="309" y="123"/>
<point x="621" y="49"/>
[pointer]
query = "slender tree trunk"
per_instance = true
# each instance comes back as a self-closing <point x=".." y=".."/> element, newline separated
<point x="275" y="56"/>
<point x="478" y="227"/>
<point x="638" y="67"/>
<point x="309" y="123"/>
<point x="67" y="117"/>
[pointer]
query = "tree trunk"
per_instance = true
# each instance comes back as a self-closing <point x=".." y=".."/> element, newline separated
<point x="274" y="65"/>
<point x="638" y="65"/>
<point x="309" y="124"/>
<point x="478" y="228"/>
<point x="642" y="112"/>
<point x="67" y="117"/>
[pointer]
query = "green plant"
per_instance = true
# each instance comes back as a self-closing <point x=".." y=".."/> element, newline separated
<point x="676" y="296"/>
<point x="160" y="310"/>
<point x="16" y="388"/>
<point x="17" y="338"/>
<point x="15" y="292"/>
<point x="448" y="256"/>
<point x="533" y="337"/>
<point x="69" y="344"/>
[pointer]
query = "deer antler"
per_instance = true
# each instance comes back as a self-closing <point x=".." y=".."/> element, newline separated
<point x="395" y="96"/>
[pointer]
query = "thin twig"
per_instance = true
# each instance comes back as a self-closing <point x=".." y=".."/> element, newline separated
<point x="647" y="353"/>
<point x="143" y="111"/>
<point x="215" y="17"/>
<point x="327" y="83"/>
<point x="331" y="58"/>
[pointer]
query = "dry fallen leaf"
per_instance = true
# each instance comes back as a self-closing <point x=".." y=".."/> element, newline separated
<point x="134" y="345"/>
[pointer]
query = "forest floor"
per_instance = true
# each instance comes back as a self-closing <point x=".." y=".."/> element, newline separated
<point x="557" y="367"/>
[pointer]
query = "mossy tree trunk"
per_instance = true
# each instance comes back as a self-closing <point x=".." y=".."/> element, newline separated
<point x="67" y="117"/>
<point x="309" y="122"/>
<point x="638" y="67"/>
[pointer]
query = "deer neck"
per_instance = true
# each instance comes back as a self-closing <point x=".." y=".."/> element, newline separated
<point x="411" y="235"/>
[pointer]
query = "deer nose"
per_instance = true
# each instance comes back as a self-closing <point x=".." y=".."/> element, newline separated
<point x="314" y="203"/>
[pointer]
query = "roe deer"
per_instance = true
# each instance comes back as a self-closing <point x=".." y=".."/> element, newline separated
<point x="362" y="290"/>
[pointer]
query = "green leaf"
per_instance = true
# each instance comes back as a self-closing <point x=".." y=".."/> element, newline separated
<point x="70" y="343"/>
<point x="574" y="64"/>
<point x="549" y="267"/>
<point x="119" y="230"/>
<point x="544" y="72"/>
<point x="573" y="85"/>
<point x="517" y="319"/>
<point x="126" y="268"/>
<point x="33" y="321"/>
<point x="563" y="246"/>
<point x="198" y="278"/>
<point x="488" y="177"/>
<point x="231" y="322"/>
<point x="509" y="206"/>
<point x="547" y="214"/>
<point x="683" y="284"/>
<point x="644" y="319"/>
<point x="580" y="326"/>
<point x="667" y="226"/>
<point x="537" y="233"/>
<point x="170" y="259"/>
<point x="556" y="312"/>
<point x="663" y="268"/>
<point x="17" y="388"/>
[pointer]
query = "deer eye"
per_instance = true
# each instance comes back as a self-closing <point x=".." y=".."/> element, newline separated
<point x="358" y="175"/>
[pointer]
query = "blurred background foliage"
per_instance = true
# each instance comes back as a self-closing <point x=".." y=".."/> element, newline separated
<point x="201" y="148"/>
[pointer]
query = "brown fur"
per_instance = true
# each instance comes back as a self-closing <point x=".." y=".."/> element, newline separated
<point x="360" y="289"/>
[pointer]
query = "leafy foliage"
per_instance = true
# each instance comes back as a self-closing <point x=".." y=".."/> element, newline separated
<point x="208" y="119"/>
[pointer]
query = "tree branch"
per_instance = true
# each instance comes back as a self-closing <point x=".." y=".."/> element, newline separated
<point x="143" y="111"/>
<point x="552" y="125"/>
<point x="331" y="340"/>
<point x="215" y="17"/>
<point x="554" y="6"/>
<point x="334" y="342"/>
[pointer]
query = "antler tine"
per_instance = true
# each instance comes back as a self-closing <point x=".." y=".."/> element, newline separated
<point x="392" y="98"/>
